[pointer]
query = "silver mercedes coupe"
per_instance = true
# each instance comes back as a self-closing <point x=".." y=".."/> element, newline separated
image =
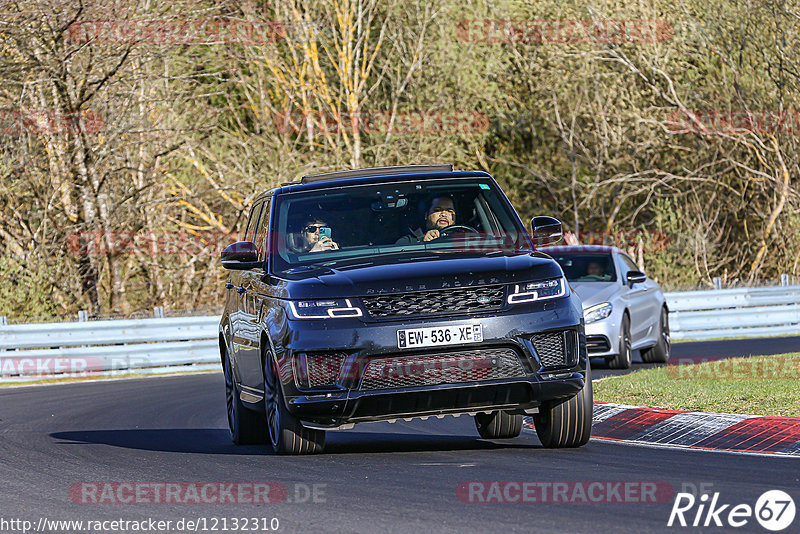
<point x="623" y="309"/>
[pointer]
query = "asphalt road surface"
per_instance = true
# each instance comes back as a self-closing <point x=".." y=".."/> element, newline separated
<point x="377" y="477"/>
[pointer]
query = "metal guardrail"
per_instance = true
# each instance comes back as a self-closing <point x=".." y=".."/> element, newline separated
<point x="47" y="349"/>
<point x="742" y="312"/>
<point x="51" y="349"/>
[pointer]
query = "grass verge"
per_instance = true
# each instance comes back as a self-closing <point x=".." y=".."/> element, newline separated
<point x="757" y="385"/>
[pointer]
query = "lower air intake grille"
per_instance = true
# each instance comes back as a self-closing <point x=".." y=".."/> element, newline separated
<point x="556" y="349"/>
<point x="446" y="368"/>
<point x="323" y="369"/>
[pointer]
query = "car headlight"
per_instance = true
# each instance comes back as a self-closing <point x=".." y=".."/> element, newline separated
<point x="324" y="309"/>
<point x="595" y="313"/>
<point x="536" y="291"/>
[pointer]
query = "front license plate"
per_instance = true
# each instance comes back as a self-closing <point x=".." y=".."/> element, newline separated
<point x="439" y="335"/>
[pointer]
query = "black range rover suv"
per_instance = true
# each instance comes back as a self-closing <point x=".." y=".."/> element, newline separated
<point x="398" y="292"/>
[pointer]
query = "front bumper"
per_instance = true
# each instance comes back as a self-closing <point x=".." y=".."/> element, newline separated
<point x="602" y="337"/>
<point x="357" y="343"/>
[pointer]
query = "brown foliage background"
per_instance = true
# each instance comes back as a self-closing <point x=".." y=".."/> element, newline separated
<point x="131" y="149"/>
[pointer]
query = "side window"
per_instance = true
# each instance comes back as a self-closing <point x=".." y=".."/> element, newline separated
<point x="250" y="232"/>
<point x="627" y="265"/>
<point x="263" y="227"/>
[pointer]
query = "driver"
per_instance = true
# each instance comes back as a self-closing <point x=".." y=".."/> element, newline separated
<point x="310" y="240"/>
<point x="595" y="269"/>
<point x="441" y="213"/>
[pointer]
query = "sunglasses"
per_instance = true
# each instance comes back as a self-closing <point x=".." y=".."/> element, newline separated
<point x="313" y="228"/>
<point x="439" y="209"/>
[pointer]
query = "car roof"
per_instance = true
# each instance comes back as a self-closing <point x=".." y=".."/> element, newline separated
<point x="381" y="175"/>
<point x="376" y="171"/>
<point x="572" y="249"/>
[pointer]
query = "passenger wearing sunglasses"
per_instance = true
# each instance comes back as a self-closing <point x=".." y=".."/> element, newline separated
<point x="440" y="214"/>
<point x="310" y="240"/>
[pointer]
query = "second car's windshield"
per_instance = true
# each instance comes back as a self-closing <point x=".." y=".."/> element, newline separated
<point x="376" y="222"/>
<point x="587" y="267"/>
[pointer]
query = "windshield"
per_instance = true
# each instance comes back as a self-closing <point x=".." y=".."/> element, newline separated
<point x="376" y="223"/>
<point x="579" y="267"/>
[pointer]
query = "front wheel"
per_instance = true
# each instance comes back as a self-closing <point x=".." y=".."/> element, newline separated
<point x="660" y="352"/>
<point x="247" y="427"/>
<point x="566" y="422"/>
<point x="286" y="433"/>
<point x="625" y="356"/>
<point x="498" y="425"/>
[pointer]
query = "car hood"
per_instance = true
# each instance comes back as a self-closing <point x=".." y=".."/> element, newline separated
<point x="592" y="293"/>
<point x="427" y="273"/>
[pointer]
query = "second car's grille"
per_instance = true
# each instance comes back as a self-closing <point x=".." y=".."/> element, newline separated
<point x="445" y="368"/>
<point x="597" y="344"/>
<point x="556" y="349"/>
<point x="439" y="302"/>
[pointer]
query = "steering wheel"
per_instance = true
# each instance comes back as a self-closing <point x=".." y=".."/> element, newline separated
<point x="450" y="229"/>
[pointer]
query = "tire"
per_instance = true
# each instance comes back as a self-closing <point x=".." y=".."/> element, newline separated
<point x="286" y="433"/>
<point x="498" y="425"/>
<point x="659" y="353"/>
<point x="566" y="423"/>
<point x="247" y="427"/>
<point x="625" y="356"/>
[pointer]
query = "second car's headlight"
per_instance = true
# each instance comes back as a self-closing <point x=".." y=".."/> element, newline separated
<point x="324" y="309"/>
<point x="535" y="291"/>
<point x="595" y="313"/>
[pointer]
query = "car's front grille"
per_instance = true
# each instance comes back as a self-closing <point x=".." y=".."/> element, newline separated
<point x="438" y="302"/>
<point x="445" y="368"/>
<point x="556" y="349"/>
<point x="596" y="344"/>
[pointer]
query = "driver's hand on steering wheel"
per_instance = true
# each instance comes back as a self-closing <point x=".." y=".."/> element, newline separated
<point x="430" y="235"/>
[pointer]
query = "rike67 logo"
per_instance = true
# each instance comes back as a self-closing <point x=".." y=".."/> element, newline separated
<point x="774" y="510"/>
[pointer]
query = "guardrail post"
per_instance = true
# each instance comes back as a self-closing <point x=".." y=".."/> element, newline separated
<point x="83" y="316"/>
<point x="784" y="279"/>
<point x="158" y="312"/>
<point x="717" y="282"/>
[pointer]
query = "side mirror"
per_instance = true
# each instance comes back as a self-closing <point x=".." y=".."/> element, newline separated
<point x="635" y="277"/>
<point x="546" y="231"/>
<point x="240" y="256"/>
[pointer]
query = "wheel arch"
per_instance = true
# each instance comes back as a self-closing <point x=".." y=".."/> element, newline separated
<point x="266" y="346"/>
<point x="223" y="348"/>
